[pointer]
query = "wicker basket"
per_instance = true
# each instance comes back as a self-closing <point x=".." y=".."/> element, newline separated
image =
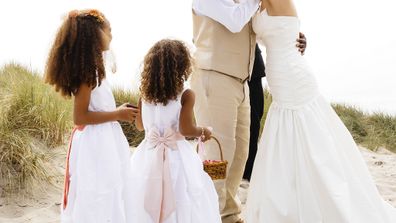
<point x="216" y="169"/>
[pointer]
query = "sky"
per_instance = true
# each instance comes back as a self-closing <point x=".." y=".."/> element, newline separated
<point x="351" y="43"/>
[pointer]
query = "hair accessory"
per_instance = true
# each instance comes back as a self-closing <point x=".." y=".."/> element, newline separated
<point x="94" y="13"/>
<point x="88" y="12"/>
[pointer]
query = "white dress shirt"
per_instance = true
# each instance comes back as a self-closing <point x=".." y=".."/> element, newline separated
<point x="233" y="16"/>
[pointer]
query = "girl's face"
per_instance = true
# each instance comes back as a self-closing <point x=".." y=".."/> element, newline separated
<point x="106" y="36"/>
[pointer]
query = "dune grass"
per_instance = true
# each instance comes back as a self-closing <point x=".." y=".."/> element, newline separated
<point x="132" y="134"/>
<point x="33" y="117"/>
<point x="370" y="130"/>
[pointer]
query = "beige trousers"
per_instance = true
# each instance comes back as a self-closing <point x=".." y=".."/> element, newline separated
<point x="222" y="102"/>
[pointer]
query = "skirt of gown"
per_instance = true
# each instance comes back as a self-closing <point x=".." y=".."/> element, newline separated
<point x="309" y="170"/>
<point x="194" y="192"/>
<point x="99" y="166"/>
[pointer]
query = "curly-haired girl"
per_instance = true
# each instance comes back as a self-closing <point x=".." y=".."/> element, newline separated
<point x="169" y="184"/>
<point x="97" y="162"/>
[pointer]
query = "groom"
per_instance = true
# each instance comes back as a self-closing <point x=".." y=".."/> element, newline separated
<point x="225" y="46"/>
<point x="225" y="52"/>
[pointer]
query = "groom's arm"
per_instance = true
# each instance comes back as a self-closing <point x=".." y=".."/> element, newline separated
<point x="233" y="16"/>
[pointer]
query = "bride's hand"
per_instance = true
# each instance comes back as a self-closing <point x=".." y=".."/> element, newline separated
<point x="301" y="43"/>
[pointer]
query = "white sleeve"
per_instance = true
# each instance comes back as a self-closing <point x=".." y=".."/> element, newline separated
<point x="233" y="16"/>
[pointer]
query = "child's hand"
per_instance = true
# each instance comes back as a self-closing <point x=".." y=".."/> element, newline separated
<point x="206" y="134"/>
<point x="126" y="113"/>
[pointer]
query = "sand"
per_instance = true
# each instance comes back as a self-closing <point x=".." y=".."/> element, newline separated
<point x="43" y="206"/>
<point x="44" y="203"/>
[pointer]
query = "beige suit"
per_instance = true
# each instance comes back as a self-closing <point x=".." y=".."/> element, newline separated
<point x="224" y="61"/>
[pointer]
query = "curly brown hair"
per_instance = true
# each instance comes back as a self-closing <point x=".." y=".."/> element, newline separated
<point x="76" y="54"/>
<point x="166" y="67"/>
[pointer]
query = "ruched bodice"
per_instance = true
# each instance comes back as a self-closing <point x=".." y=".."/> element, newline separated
<point x="277" y="33"/>
<point x="290" y="79"/>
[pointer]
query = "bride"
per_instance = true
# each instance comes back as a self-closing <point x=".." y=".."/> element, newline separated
<point x="308" y="168"/>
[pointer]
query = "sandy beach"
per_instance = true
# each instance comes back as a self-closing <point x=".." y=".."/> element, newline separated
<point x="43" y="206"/>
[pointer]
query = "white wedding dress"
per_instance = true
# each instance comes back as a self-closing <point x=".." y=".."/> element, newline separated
<point x="308" y="168"/>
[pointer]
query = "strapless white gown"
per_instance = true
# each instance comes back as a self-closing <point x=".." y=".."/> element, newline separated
<point x="308" y="168"/>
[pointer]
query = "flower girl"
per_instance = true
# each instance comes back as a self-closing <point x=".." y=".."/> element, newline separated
<point x="168" y="182"/>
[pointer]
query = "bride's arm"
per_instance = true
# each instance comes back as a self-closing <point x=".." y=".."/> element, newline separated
<point x="234" y="16"/>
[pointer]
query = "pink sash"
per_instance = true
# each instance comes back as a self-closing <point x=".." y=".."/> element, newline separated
<point x="159" y="199"/>
<point x="67" y="174"/>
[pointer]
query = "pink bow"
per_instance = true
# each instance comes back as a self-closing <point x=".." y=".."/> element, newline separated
<point x="159" y="200"/>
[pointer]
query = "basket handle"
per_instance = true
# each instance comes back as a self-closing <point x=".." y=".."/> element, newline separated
<point x="218" y="143"/>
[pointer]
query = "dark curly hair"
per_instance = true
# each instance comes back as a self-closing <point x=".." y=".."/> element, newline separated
<point x="76" y="54"/>
<point x="166" y="67"/>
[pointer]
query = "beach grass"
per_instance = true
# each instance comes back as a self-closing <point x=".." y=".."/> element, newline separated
<point x="121" y="96"/>
<point x="35" y="119"/>
<point x="369" y="130"/>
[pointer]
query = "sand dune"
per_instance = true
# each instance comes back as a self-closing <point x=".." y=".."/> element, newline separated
<point x="44" y="205"/>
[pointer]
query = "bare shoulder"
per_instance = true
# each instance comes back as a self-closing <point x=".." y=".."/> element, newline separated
<point x="83" y="89"/>
<point x="188" y="96"/>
